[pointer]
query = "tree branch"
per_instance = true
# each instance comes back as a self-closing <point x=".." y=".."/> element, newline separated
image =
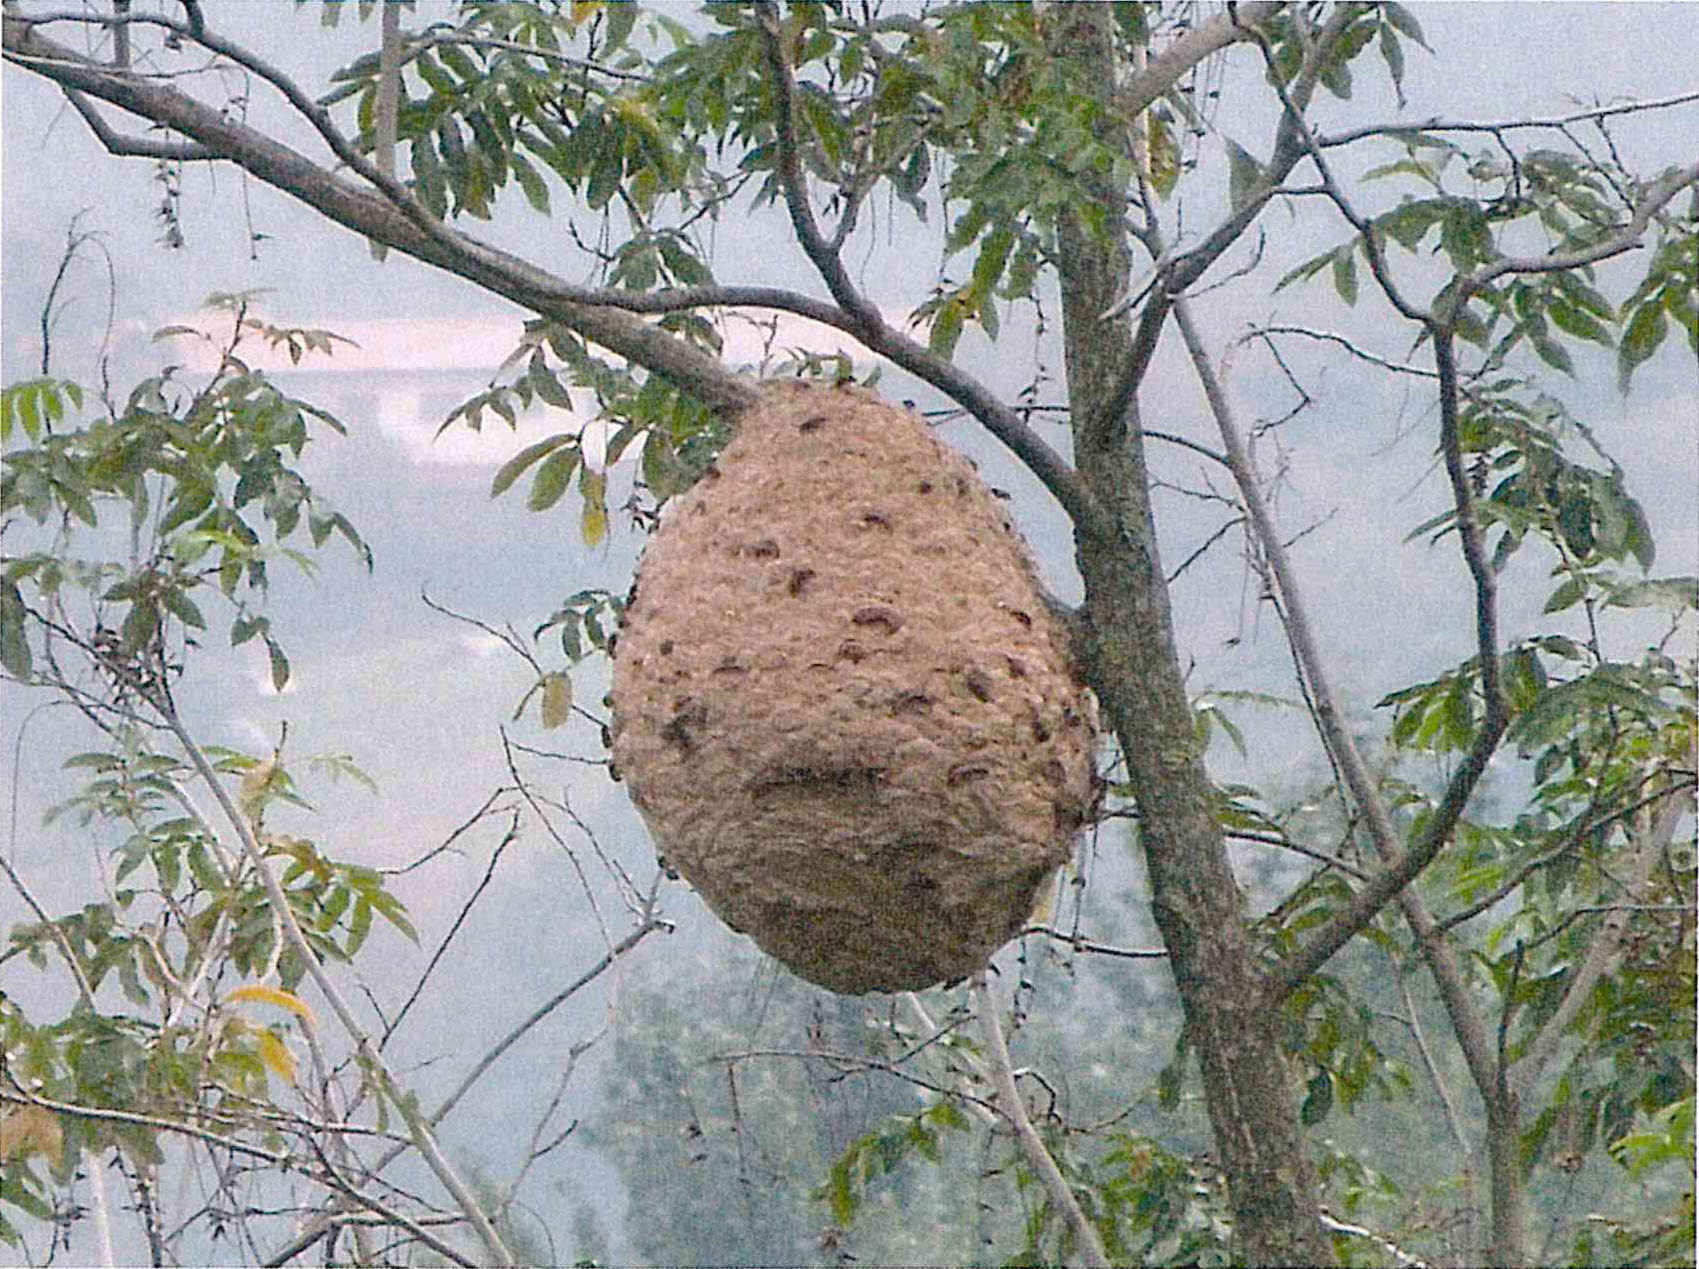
<point x="379" y="219"/>
<point x="1601" y="951"/>
<point x="1362" y="907"/>
<point x="133" y="147"/>
<point x="1013" y="1108"/>
<point x="1651" y="201"/>
<point x="1436" y="124"/>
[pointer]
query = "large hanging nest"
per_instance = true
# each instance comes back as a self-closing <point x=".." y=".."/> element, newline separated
<point x="842" y="706"/>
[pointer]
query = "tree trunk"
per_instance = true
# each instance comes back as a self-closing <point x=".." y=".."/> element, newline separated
<point x="1133" y="666"/>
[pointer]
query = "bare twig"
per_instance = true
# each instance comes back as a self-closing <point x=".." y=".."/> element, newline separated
<point x="423" y="1138"/>
<point x="1362" y="354"/>
<point x="1082" y="944"/>
<point x="1436" y="124"/>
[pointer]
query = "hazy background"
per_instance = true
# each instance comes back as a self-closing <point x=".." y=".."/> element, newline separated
<point x="417" y="699"/>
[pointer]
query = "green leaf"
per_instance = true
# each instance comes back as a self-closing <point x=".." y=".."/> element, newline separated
<point x="279" y="663"/>
<point x="516" y="466"/>
<point x="544" y="383"/>
<point x="536" y="191"/>
<point x="1565" y="596"/>
<point x="14" y="642"/>
<point x="1345" y="272"/>
<point x="1646" y="330"/>
<point x="552" y="478"/>
<point x="946" y="328"/>
<point x="183" y="608"/>
<point x="1553" y="353"/>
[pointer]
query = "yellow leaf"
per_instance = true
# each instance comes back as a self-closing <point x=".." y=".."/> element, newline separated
<point x="582" y="9"/>
<point x="274" y="996"/>
<point x="593" y="485"/>
<point x="557" y="699"/>
<point x="27" y="1130"/>
<point x="257" y="783"/>
<point x="276" y="1055"/>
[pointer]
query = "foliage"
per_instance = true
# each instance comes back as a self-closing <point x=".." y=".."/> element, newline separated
<point x="1548" y="770"/>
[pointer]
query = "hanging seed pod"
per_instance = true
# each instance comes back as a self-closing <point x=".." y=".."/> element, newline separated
<point x="841" y="704"/>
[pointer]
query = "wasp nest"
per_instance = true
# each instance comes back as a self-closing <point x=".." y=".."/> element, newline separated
<point x="841" y="704"/>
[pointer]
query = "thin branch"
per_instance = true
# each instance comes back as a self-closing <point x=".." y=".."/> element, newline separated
<point x="1601" y="951"/>
<point x="537" y="1015"/>
<point x="1013" y="1107"/>
<point x="1436" y="124"/>
<point x="1082" y="944"/>
<point x="1656" y="195"/>
<point x="423" y="1139"/>
<point x="1322" y="336"/>
<point x="857" y="1062"/>
<point x="105" y="1114"/>
<point x="460" y="39"/>
<point x="507" y="839"/>
<point x="1362" y="907"/>
<point x="84" y="990"/>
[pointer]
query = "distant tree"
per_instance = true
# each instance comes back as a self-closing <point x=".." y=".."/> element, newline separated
<point x="1061" y="142"/>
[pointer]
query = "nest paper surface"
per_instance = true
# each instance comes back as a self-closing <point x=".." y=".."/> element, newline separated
<point x="840" y="703"/>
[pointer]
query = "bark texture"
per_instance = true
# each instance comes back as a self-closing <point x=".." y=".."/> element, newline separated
<point x="1134" y="667"/>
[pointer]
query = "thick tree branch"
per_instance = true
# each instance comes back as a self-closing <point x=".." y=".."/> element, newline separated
<point x="134" y="147"/>
<point x="377" y="218"/>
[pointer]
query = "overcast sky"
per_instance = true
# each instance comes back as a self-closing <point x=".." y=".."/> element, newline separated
<point x="418" y="699"/>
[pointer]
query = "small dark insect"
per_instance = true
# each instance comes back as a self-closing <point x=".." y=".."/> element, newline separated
<point x="800" y="577"/>
<point x="1024" y="618"/>
<point x="812" y="425"/>
<point x="1004" y="494"/>
<point x="924" y="487"/>
<point x="765" y="549"/>
<point x="878" y="518"/>
<point x="689" y="713"/>
<point x="979" y="684"/>
<point x="963" y="772"/>
<point x="666" y="647"/>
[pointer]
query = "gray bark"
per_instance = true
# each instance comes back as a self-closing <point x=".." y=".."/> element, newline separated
<point x="1134" y="667"/>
